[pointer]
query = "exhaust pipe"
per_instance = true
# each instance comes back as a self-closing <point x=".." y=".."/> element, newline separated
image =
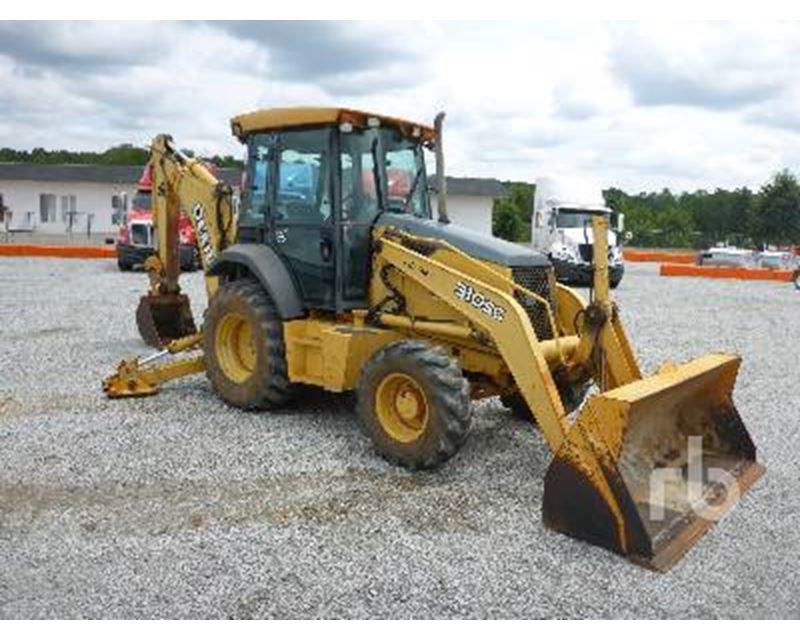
<point x="441" y="181"/>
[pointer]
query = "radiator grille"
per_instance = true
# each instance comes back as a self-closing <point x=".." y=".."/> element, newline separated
<point x="540" y="280"/>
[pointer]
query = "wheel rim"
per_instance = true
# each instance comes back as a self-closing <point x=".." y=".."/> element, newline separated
<point x="235" y="348"/>
<point x="401" y="407"/>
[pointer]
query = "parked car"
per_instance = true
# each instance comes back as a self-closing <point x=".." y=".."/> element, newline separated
<point x="727" y="257"/>
<point x="135" y="242"/>
<point x="769" y="258"/>
<point x="777" y="259"/>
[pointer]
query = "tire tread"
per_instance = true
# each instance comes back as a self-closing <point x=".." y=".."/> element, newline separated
<point x="274" y="388"/>
<point x="449" y="397"/>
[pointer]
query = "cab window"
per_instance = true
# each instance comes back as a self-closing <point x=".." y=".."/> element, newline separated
<point x="304" y="194"/>
<point x="406" y="182"/>
<point x="254" y="199"/>
<point x="359" y="176"/>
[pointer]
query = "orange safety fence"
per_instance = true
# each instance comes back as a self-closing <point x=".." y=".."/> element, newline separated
<point x="57" y="251"/>
<point x="637" y="255"/>
<point x="738" y="273"/>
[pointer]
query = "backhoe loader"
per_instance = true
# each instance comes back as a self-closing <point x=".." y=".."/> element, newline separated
<point x="334" y="273"/>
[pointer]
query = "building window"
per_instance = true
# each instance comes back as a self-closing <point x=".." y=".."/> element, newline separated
<point x="69" y="204"/>
<point x="47" y="207"/>
<point x="69" y="210"/>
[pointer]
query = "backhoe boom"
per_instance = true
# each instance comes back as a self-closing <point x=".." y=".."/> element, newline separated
<point x="181" y="184"/>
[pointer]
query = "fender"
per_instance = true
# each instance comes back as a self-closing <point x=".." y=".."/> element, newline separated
<point x="266" y="265"/>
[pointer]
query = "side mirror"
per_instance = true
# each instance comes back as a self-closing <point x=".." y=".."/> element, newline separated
<point x="116" y="202"/>
<point x="620" y="222"/>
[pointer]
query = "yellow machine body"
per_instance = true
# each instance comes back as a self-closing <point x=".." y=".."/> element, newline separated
<point x="643" y="468"/>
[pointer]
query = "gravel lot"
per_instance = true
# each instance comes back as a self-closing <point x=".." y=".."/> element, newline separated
<point x="177" y="506"/>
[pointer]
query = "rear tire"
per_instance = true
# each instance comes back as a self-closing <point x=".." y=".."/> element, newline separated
<point x="124" y="266"/>
<point x="244" y="347"/>
<point x="414" y="404"/>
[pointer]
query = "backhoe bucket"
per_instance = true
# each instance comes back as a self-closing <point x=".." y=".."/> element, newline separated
<point x="650" y="466"/>
<point x="162" y="318"/>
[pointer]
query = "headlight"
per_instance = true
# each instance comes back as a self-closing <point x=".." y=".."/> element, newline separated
<point x="565" y="252"/>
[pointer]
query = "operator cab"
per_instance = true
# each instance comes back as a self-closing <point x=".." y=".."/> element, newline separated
<point x="315" y="182"/>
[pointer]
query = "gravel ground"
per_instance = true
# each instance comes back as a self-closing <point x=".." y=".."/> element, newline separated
<point x="178" y="506"/>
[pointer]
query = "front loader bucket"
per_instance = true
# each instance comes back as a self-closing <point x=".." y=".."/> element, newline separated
<point x="650" y="466"/>
<point x="162" y="318"/>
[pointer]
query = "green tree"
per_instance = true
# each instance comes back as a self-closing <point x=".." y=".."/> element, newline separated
<point x="121" y="154"/>
<point x="640" y="218"/>
<point x="506" y="222"/>
<point x="124" y="154"/>
<point x="676" y="226"/>
<point x="777" y="211"/>
<point x="690" y="219"/>
<point x="511" y="216"/>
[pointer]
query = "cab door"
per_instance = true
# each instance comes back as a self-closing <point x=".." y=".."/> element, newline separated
<point x="359" y="206"/>
<point x="301" y="224"/>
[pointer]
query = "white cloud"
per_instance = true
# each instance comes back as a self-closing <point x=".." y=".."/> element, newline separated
<point x="640" y="106"/>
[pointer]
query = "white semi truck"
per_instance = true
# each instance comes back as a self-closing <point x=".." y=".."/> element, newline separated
<point x="561" y="227"/>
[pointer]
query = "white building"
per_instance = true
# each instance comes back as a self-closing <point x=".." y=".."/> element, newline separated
<point x="470" y="201"/>
<point x="54" y="200"/>
<point x="46" y="199"/>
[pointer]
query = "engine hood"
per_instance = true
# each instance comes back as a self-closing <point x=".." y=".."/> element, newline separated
<point x="471" y="242"/>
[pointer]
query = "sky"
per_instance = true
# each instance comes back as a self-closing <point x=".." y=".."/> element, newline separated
<point x="641" y="106"/>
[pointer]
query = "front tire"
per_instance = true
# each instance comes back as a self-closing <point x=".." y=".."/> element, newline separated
<point x="414" y="404"/>
<point x="244" y="347"/>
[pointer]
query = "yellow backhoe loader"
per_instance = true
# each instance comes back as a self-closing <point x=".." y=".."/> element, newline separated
<point x="334" y="273"/>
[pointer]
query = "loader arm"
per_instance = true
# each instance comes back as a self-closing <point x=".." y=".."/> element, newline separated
<point x="603" y="348"/>
<point x="624" y="475"/>
<point x="180" y="184"/>
<point x="500" y="317"/>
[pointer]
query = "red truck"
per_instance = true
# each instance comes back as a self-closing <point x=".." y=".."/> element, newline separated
<point x="135" y="239"/>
